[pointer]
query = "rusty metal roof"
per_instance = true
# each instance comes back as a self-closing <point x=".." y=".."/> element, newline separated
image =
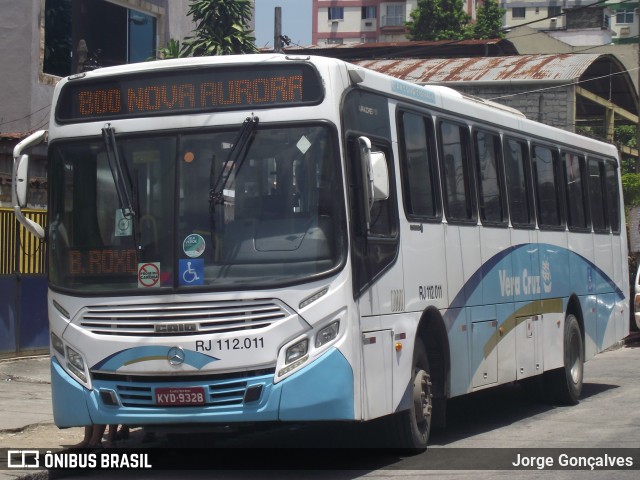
<point x="548" y="67"/>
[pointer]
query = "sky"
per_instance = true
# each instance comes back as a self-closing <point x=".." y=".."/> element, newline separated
<point x="296" y="21"/>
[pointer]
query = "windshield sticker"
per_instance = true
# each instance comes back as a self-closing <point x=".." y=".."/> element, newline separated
<point x="191" y="272"/>
<point x="149" y="275"/>
<point x="193" y="245"/>
<point x="188" y="157"/>
<point x="303" y="144"/>
<point x="123" y="224"/>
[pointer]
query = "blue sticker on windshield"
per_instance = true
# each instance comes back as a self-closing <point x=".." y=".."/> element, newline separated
<point x="191" y="271"/>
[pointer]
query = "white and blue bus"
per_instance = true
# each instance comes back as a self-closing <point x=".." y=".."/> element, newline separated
<point x="271" y="238"/>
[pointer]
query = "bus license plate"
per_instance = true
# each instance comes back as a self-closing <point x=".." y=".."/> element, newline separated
<point x="182" y="396"/>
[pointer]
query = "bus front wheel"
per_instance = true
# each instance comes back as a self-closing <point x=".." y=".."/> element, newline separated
<point x="565" y="383"/>
<point x="410" y="428"/>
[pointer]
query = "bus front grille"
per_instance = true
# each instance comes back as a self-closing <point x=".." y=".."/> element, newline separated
<point x="187" y="318"/>
<point x="220" y="391"/>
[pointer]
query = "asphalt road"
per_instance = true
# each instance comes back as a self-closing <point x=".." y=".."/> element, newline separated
<point x="485" y="433"/>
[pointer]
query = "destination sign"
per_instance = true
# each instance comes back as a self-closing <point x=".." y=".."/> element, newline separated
<point x="192" y="90"/>
<point x="102" y="262"/>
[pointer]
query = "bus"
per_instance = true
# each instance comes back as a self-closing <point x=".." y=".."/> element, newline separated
<point x="240" y="240"/>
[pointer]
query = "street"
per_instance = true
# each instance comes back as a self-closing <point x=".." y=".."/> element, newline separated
<point x="486" y="430"/>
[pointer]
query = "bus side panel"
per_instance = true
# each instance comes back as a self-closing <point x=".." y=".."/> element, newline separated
<point x="620" y="277"/>
<point x="456" y="322"/>
<point x="603" y="253"/>
<point x="581" y="272"/>
<point x="589" y="304"/>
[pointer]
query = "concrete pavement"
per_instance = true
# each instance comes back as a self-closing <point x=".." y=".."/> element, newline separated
<point x="26" y="414"/>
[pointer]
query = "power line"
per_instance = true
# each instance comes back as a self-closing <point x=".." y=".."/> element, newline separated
<point x="26" y="116"/>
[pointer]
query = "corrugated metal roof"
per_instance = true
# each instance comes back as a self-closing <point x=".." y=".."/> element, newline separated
<point x="381" y="45"/>
<point x="554" y="67"/>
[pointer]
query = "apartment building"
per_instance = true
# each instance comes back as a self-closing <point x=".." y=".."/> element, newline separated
<point x="619" y="17"/>
<point x="364" y="21"/>
<point x="45" y="40"/>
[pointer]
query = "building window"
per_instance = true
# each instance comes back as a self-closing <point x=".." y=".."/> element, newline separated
<point x="335" y="41"/>
<point x="518" y="12"/>
<point x="368" y="12"/>
<point x="335" y="13"/>
<point x="85" y="34"/>
<point x="554" y="11"/>
<point x="395" y="16"/>
<point x="624" y="16"/>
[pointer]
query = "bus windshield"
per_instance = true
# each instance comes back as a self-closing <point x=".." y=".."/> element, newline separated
<point x="202" y="214"/>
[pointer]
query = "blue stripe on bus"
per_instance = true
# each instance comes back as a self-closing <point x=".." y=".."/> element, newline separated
<point x="595" y="280"/>
<point x="149" y="353"/>
<point x="323" y="390"/>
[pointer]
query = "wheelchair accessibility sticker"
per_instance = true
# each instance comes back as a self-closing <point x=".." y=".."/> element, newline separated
<point x="191" y="271"/>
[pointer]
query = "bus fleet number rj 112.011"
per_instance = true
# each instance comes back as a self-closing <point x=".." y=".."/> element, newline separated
<point x="246" y="343"/>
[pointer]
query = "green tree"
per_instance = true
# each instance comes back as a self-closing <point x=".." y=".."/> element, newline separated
<point x="438" y="20"/>
<point x="488" y="22"/>
<point x="171" y="50"/>
<point x="221" y="28"/>
<point x="631" y="189"/>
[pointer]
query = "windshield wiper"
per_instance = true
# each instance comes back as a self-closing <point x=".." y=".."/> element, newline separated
<point x="126" y="188"/>
<point x="235" y="158"/>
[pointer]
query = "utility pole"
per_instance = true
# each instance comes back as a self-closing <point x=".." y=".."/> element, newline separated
<point x="277" y="29"/>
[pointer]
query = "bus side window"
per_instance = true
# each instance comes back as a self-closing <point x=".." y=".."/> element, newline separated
<point x="613" y="196"/>
<point x="419" y="168"/>
<point x="457" y="173"/>
<point x="490" y="178"/>
<point x="597" y="196"/>
<point x="577" y="212"/>
<point x="547" y="188"/>
<point x="516" y="158"/>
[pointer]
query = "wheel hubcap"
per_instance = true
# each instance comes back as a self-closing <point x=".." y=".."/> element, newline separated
<point x="575" y="360"/>
<point x="422" y="397"/>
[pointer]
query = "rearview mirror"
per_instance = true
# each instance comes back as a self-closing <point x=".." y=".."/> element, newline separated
<point x="375" y="176"/>
<point x="22" y="180"/>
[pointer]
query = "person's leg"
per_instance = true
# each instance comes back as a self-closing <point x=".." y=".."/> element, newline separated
<point x="112" y="435"/>
<point x="87" y="437"/>
<point x="96" y="436"/>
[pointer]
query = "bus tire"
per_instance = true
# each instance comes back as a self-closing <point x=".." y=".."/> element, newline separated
<point x="565" y="383"/>
<point x="410" y="428"/>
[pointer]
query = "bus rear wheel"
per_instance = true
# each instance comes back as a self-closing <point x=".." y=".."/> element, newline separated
<point x="410" y="428"/>
<point x="565" y="383"/>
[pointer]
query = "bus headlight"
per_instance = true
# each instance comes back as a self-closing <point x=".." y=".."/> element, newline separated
<point x="328" y="333"/>
<point x="297" y="351"/>
<point x="295" y="356"/>
<point x="75" y="363"/>
<point x="57" y="344"/>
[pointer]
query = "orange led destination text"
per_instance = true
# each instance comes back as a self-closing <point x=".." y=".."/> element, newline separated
<point x="203" y="95"/>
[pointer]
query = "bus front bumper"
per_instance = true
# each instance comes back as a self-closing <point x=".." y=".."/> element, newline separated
<point x="321" y="391"/>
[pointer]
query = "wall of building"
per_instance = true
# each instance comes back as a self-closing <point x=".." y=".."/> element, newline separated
<point x="353" y="28"/>
<point x="24" y="100"/>
<point x="25" y="92"/>
<point x="552" y="106"/>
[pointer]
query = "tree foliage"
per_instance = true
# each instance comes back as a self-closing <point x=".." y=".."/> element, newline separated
<point x="447" y="20"/>
<point x="438" y="20"/>
<point x="631" y="189"/>
<point x="221" y="28"/>
<point x="488" y="22"/>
